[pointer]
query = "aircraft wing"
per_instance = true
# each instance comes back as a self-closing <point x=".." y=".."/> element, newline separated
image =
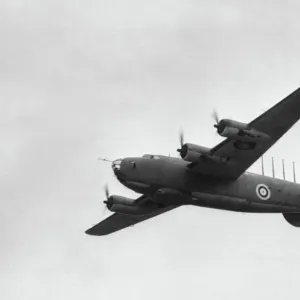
<point x="117" y="221"/>
<point x="275" y="122"/>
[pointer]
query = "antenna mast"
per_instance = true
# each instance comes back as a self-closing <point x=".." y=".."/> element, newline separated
<point x="283" y="170"/>
<point x="294" y="172"/>
<point x="273" y="170"/>
<point x="262" y="166"/>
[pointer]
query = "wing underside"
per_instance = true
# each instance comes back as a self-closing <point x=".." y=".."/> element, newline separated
<point x="118" y="221"/>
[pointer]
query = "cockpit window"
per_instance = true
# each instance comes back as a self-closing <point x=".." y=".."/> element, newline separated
<point x="151" y="156"/>
<point x="117" y="164"/>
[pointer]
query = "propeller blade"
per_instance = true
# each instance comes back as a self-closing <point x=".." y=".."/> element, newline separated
<point x="215" y="116"/>
<point x="106" y="190"/>
<point x="181" y="138"/>
<point x="105" y="208"/>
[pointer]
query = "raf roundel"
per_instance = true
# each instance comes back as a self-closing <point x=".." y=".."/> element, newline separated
<point x="263" y="192"/>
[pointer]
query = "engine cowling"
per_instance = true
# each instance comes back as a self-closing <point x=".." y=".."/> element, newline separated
<point x="123" y="205"/>
<point x="119" y="200"/>
<point x="192" y="156"/>
<point x="239" y="131"/>
<point x="232" y="124"/>
<point x="192" y="152"/>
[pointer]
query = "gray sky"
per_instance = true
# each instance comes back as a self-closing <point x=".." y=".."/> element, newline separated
<point x="82" y="79"/>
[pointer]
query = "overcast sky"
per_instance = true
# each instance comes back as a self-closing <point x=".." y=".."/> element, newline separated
<point x="83" y="79"/>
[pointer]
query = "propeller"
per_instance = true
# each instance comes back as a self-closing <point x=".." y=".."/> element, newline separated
<point x="106" y="191"/>
<point x="220" y="125"/>
<point x="215" y="116"/>
<point x="181" y="140"/>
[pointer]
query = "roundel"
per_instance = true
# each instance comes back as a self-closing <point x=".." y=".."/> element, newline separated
<point x="263" y="192"/>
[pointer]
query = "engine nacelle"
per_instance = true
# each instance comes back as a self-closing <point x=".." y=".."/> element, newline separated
<point x="133" y="210"/>
<point x="243" y="135"/>
<point x="192" y="156"/>
<point x="192" y="152"/>
<point x="123" y="205"/>
<point x="232" y="124"/>
<point x="119" y="200"/>
<point x="197" y="148"/>
<point x="239" y="131"/>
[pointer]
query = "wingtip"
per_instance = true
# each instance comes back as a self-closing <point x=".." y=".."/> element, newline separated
<point x="95" y="232"/>
<point x="89" y="231"/>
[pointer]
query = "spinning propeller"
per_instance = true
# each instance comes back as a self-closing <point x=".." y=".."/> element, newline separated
<point x="106" y="194"/>
<point x="215" y="116"/>
<point x="220" y="125"/>
<point x="106" y="190"/>
<point x="181" y="140"/>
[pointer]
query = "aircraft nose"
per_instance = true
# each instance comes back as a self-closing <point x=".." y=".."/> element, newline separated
<point x="116" y="165"/>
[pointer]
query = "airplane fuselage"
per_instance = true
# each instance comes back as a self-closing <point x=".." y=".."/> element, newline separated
<point x="249" y="193"/>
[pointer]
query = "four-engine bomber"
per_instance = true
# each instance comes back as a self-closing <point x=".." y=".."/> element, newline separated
<point x="209" y="177"/>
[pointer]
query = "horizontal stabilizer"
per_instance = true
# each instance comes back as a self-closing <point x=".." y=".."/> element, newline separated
<point x="293" y="219"/>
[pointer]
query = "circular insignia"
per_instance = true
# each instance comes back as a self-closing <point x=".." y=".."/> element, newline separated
<point x="263" y="192"/>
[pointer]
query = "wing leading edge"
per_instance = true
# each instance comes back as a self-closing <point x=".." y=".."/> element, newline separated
<point x="275" y="122"/>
